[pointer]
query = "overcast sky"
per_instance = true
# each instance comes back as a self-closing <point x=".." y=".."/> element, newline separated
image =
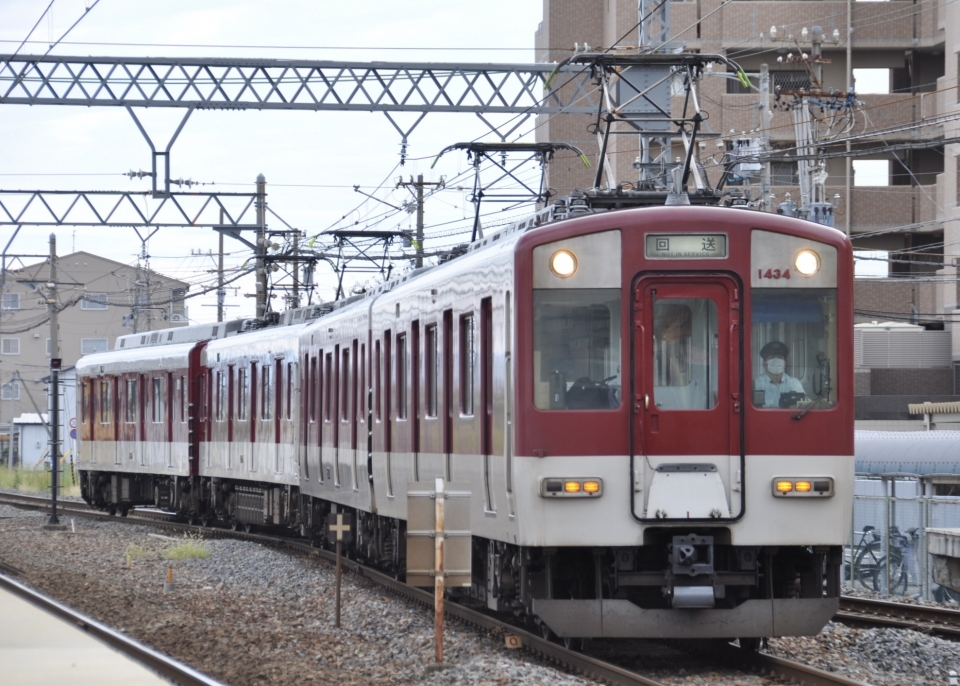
<point x="310" y="159"/>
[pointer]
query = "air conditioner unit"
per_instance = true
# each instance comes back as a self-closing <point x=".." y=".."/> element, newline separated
<point x="174" y="318"/>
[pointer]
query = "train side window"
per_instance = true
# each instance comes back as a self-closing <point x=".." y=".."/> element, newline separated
<point x="291" y="371"/>
<point x="793" y="348"/>
<point x="468" y="364"/>
<point x="377" y="376"/>
<point x="243" y="393"/>
<point x="362" y="400"/>
<point x="314" y="389"/>
<point x="221" y="393"/>
<point x="157" y="400"/>
<point x="430" y="369"/>
<point x="345" y="385"/>
<point x="266" y="395"/>
<point x="576" y="348"/>
<point x="327" y="378"/>
<point x="401" y="376"/>
<point x="84" y="399"/>
<point x="106" y="402"/>
<point x="131" y="401"/>
<point x="184" y="400"/>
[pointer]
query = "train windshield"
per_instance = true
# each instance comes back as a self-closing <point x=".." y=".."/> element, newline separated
<point x="794" y="348"/>
<point x="576" y="349"/>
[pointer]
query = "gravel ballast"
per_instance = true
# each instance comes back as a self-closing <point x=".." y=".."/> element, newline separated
<point x="249" y="614"/>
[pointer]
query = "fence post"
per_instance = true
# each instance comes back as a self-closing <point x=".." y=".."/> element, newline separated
<point x="886" y="537"/>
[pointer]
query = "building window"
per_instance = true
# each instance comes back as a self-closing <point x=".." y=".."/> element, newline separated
<point x="10" y="391"/>
<point x="49" y="349"/>
<point x="11" y="301"/>
<point x="89" y="346"/>
<point x="10" y="346"/>
<point x="94" y="301"/>
<point x="178" y="311"/>
<point x="784" y="174"/>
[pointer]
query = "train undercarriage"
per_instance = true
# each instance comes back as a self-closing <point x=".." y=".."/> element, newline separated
<point x="679" y="583"/>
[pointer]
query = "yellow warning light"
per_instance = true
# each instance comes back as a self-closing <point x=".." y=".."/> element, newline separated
<point x="784" y="486"/>
<point x="571" y="486"/>
<point x="591" y="486"/>
<point x="804" y="486"/>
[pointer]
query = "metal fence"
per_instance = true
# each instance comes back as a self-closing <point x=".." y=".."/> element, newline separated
<point x="888" y="546"/>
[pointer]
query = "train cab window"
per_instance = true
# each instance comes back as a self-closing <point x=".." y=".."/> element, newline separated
<point x="793" y="348"/>
<point x="576" y="348"/>
<point x="106" y="402"/>
<point x="685" y="355"/>
<point x="131" y="401"/>
<point x="266" y="395"/>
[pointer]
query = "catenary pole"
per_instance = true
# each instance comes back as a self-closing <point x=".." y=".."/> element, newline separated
<point x="54" y="522"/>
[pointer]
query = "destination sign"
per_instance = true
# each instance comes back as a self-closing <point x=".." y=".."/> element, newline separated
<point x="686" y="246"/>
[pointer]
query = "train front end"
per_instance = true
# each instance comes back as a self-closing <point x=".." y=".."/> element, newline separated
<point x="684" y="430"/>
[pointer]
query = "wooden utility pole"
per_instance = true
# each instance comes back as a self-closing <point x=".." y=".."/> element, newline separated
<point x="417" y="191"/>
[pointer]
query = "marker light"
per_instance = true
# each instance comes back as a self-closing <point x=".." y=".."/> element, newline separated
<point x="804" y="486"/>
<point x="563" y="263"/>
<point x="591" y="486"/>
<point x="807" y="262"/>
<point x="784" y="486"/>
<point x="572" y="486"/>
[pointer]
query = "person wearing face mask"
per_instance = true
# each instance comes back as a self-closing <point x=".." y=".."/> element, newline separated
<point x="775" y="380"/>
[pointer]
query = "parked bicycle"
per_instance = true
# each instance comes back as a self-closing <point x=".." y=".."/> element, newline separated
<point x="869" y="568"/>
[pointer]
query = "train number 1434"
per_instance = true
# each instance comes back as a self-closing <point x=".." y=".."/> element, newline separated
<point x="773" y="274"/>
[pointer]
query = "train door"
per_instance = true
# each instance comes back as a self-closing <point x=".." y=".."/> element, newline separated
<point x="687" y="397"/>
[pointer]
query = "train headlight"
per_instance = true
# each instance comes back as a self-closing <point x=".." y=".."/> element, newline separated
<point x="571" y="488"/>
<point x="807" y="262"/>
<point x="564" y="263"/>
<point x="803" y="487"/>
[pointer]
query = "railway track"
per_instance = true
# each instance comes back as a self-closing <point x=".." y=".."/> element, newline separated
<point x="938" y="621"/>
<point x="167" y="667"/>
<point x="554" y="652"/>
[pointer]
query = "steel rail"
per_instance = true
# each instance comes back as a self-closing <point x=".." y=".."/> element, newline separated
<point x="938" y="621"/>
<point x="162" y="664"/>
<point x="549" y="650"/>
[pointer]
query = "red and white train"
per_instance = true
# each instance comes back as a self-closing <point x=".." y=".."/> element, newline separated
<point x="636" y="467"/>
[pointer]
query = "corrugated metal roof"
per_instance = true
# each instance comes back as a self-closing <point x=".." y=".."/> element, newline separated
<point x="907" y="452"/>
<point x="931" y="408"/>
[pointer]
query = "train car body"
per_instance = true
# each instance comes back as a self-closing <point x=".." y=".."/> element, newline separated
<point x="653" y="409"/>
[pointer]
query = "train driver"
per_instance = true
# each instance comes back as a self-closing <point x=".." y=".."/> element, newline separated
<point x="775" y="380"/>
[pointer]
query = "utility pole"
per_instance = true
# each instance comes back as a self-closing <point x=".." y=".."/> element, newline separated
<point x="765" y="180"/>
<point x="295" y="298"/>
<point x="53" y="523"/>
<point x="418" y="194"/>
<point x="261" y="263"/>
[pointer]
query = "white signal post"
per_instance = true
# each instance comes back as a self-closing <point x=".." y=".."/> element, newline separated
<point x="438" y="580"/>
<point x="339" y="529"/>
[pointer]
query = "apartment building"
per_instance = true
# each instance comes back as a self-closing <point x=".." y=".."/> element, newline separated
<point x="910" y="132"/>
<point x="101" y="299"/>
